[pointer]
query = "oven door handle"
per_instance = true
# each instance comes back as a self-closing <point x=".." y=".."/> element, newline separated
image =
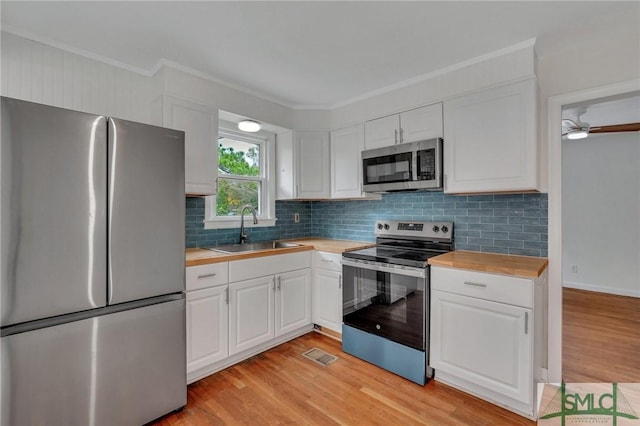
<point x="386" y="267"/>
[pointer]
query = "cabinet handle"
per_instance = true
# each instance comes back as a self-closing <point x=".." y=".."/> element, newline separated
<point x="396" y="136"/>
<point x="274" y="283"/>
<point x="475" y="284"/>
<point x="401" y="135"/>
<point x="279" y="283"/>
<point x="526" y="323"/>
<point x="340" y="281"/>
<point x="213" y="274"/>
<point x="327" y="261"/>
<point x="226" y="295"/>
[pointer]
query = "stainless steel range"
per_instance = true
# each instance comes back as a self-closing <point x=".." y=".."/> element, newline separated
<point x="386" y="296"/>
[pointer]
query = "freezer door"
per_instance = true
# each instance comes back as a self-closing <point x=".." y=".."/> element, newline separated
<point x="146" y="211"/>
<point x="125" y="368"/>
<point x="53" y="211"/>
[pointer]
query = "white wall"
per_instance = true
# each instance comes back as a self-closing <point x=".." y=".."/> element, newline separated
<point x="601" y="213"/>
<point x="183" y="84"/>
<point x="43" y="74"/>
<point x="499" y="67"/>
<point x="39" y="73"/>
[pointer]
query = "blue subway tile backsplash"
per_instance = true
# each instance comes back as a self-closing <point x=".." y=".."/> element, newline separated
<point x="509" y="224"/>
<point x="286" y="228"/>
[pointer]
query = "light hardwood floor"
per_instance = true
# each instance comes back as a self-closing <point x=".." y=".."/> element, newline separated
<point x="600" y="337"/>
<point x="282" y="387"/>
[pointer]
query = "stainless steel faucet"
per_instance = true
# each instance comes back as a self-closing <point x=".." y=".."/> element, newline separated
<point x="243" y="236"/>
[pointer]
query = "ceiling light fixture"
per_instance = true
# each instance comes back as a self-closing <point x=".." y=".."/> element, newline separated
<point x="249" y="126"/>
<point x="578" y="134"/>
<point x="575" y="130"/>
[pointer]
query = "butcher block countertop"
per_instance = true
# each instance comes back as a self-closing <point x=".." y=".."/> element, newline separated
<point x="518" y="266"/>
<point x="333" y="246"/>
<point x="200" y="256"/>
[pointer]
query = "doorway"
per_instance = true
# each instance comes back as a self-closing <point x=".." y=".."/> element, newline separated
<point x="594" y="214"/>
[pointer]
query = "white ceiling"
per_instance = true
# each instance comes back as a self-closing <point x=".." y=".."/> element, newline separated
<point x="605" y="112"/>
<point x="306" y="54"/>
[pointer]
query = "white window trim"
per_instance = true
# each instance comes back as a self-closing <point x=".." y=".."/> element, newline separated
<point x="268" y="195"/>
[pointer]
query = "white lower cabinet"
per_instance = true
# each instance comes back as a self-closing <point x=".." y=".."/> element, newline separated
<point x="485" y="342"/>
<point x="483" y="333"/>
<point x="293" y="301"/>
<point x="240" y="308"/>
<point x="207" y="327"/>
<point x="327" y="291"/>
<point x="251" y="313"/>
<point x="267" y="307"/>
<point x="207" y="315"/>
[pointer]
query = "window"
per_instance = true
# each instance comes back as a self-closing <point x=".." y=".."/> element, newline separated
<point x="244" y="168"/>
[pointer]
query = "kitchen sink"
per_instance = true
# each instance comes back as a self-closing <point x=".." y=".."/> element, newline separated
<point x="239" y="248"/>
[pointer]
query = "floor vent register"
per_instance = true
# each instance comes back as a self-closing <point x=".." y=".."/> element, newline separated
<point x="319" y="356"/>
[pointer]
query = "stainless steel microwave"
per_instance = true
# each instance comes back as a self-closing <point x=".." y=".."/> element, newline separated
<point x="403" y="167"/>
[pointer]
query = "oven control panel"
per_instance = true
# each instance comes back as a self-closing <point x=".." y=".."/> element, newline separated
<point x="414" y="229"/>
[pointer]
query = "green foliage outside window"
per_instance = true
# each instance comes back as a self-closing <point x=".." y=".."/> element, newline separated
<point x="234" y="193"/>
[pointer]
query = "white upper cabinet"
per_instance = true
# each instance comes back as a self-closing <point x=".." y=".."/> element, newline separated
<point x="313" y="164"/>
<point x="421" y="123"/>
<point x="200" y="124"/>
<point x="346" y="165"/>
<point x="409" y="126"/>
<point x="302" y="163"/>
<point x="285" y="172"/>
<point x="490" y="140"/>
<point x="382" y="132"/>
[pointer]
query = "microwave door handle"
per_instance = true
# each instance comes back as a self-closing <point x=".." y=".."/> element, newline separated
<point x="414" y="164"/>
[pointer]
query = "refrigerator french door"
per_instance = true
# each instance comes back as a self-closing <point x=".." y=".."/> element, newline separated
<point x="91" y="268"/>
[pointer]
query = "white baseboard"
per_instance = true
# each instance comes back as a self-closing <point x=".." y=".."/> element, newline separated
<point x="602" y="289"/>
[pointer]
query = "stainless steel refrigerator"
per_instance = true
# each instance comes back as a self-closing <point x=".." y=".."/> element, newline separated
<point x="92" y="268"/>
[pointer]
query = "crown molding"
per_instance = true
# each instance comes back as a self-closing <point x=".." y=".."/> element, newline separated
<point x="255" y="93"/>
<point x="424" y="77"/>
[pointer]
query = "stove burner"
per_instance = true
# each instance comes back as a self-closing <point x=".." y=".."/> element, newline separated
<point x="401" y="244"/>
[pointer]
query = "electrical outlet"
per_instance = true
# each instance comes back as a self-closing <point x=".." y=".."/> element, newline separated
<point x="296" y="217"/>
<point x="574" y="269"/>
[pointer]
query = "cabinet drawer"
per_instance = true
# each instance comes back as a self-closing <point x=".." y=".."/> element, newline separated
<point x="204" y="276"/>
<point x="326" y="260"/>
<point x="247" y="269"/>
<point x="497" y="288"/>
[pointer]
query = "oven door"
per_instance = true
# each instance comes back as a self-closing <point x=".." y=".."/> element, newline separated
<point x="387" y="300"/>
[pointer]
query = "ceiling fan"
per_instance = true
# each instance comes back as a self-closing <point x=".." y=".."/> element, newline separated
<point x="580" y="130"/>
